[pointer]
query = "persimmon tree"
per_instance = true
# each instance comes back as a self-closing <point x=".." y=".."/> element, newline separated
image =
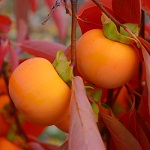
<point x="100" y="118"/>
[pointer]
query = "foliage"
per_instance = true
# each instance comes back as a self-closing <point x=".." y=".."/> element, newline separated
<point x="122" y="120"/>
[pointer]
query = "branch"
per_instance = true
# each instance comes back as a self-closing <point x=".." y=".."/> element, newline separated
<point x="107" y="13"/>
<point x="57" y="4"/>
<point x="73" y="36"/>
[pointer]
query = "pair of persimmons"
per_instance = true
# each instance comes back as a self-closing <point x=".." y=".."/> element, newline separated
<point x="44" y="98"/>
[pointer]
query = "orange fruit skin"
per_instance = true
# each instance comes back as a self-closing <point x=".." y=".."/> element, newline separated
<point x="64" y="125"/>
<point x="4" y="126"/>
<point x="39" y="93"/>
<point x="7" y="145"/>
<point x="104" y="62"/>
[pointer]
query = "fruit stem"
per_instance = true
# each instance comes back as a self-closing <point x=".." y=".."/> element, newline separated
<point x="73" y="35"/>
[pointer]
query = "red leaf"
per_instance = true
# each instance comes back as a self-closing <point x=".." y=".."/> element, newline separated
<point x="14" y="59"/>
<point x="147" y="31"/>
<point x="89" y="15"/>
<point x="143" y="139"/>
<point x="146" y="6"/>
<point x="145" y="51"/>
<point x="43" y="49"/>
<point x="60" y="19"/>
<point x="83" y="132"/>
<point x="129" y="10"/>
<point x="130" y="121"/>
<point x="33" y="4"/>
<point x="143" y="125"/>
<point x="5" y="23"/>
<point x="88" y="20"/>
<point x="4" y="48"/>
<point x="122" y="138"/>
<point x="143" y="107"/>
<point x="21" y="12"/>
<point x="32" y="129"/>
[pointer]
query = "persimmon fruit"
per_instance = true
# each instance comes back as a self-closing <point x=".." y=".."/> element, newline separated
<point x="103" y="62"/>
<point x="39" y="93"/>
<point x="7" y="145"/>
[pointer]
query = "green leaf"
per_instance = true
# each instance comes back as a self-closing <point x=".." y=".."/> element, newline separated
<point x="133" y="27"/>
<point x="62" y="66"/>
<point x="110" y="31"/>
<point x="95" y="93"/>
<point x="95" y="110"/>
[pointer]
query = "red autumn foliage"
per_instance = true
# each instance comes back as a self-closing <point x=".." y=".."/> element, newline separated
<point x="5" y="23"/>
<point x="130" y="11"/>
<point x="127" y="129"/>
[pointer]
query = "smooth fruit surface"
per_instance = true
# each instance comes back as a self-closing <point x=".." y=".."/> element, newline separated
<point x="7" y="145"/>
<point x="104" y="62"/>
<point x="39" y="93"/>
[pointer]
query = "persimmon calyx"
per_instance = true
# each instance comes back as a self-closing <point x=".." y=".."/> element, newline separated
<point x="110" y="31"/>
<point x="62" y="66"/>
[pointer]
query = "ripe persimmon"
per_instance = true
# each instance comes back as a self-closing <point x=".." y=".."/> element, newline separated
<point x="7" y="145"/>
<point x="106" y="63"/>
<point x="64" y="125"/>
<point x="39" y="93"/>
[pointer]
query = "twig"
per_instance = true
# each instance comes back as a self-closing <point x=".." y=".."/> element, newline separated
<point x="73" y="36"/>
<point x="107" y="13"/>
<point x="66" y="7"/>
<point x="57" y="4"/>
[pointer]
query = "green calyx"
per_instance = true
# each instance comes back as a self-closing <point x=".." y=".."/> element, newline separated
<point x="111" y="32"/>
<point x="62" y="67"/>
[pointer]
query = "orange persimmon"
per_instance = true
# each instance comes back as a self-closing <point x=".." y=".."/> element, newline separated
<point x="39" y="93"/>
<point x="103" y="62"/>
<point x="7" y="145"/>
